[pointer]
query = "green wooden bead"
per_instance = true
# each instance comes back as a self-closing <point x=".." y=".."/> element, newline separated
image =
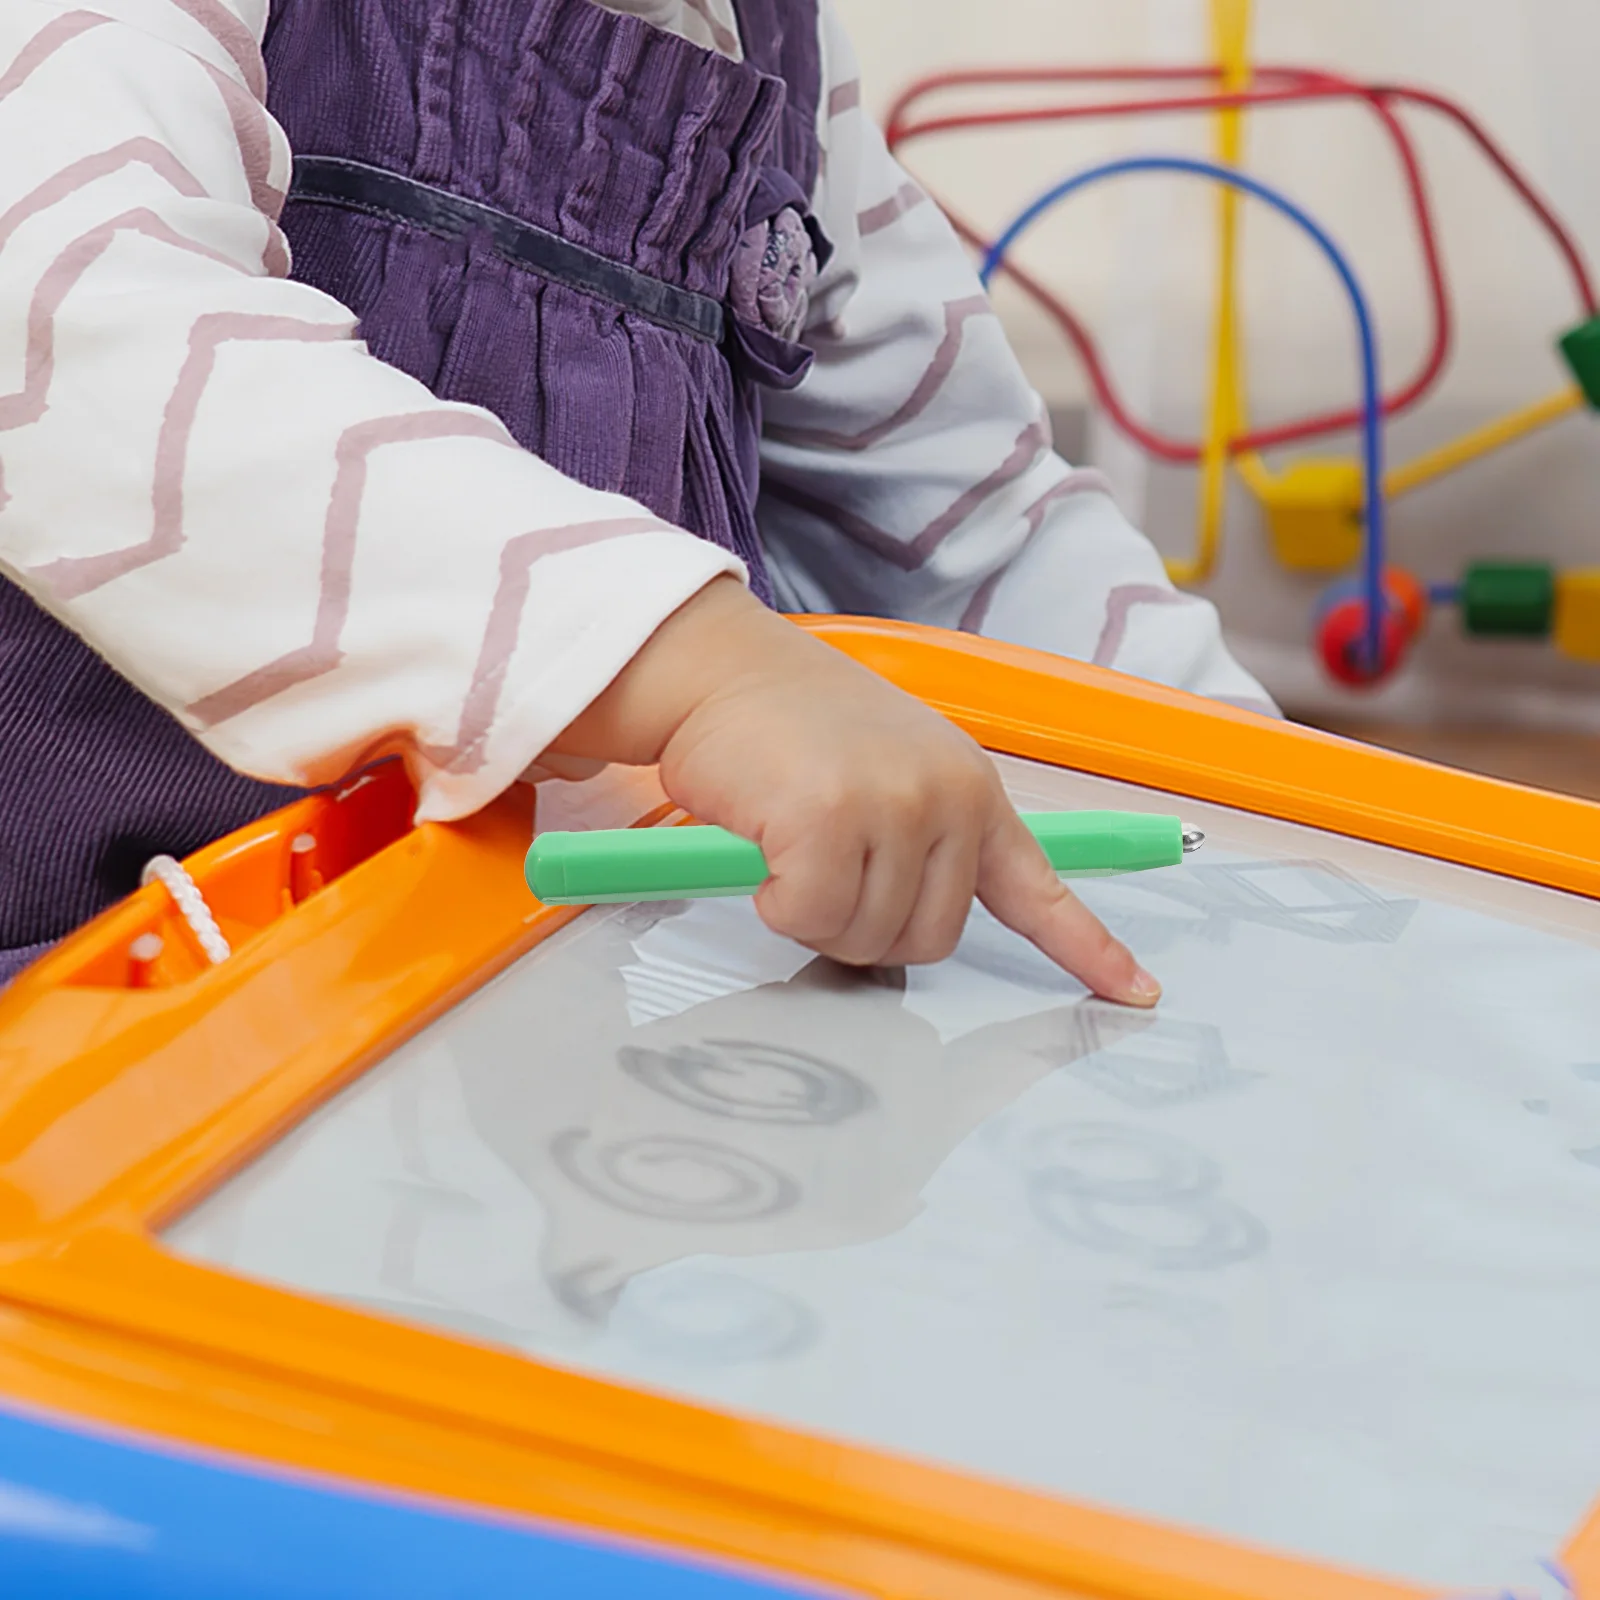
<point x="1509" y="599"/>
<point x="1581" y="347"/>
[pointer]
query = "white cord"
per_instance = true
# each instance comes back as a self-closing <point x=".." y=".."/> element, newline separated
<point x="191" y="903"/>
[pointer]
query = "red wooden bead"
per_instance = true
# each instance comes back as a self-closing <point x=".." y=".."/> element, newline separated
<point x="1341" y="642"/>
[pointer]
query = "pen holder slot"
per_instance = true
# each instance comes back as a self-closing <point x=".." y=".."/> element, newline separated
<point x="250" y="883"/>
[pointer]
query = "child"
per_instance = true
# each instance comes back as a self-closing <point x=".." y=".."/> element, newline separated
<point x="633" y="282"/>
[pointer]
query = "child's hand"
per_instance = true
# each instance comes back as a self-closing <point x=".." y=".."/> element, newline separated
<point x="879" y="820"/>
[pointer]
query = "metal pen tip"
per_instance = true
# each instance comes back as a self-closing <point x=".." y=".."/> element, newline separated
<point x="1193" y="838"/>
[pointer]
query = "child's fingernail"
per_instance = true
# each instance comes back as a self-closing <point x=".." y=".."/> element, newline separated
<point x="1144" y="988"/>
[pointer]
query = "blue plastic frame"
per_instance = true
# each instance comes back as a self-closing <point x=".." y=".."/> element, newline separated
<point x="90" y="1517"/>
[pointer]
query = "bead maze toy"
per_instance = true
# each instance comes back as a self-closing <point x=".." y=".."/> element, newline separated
<point x="1321" y="514"/>
<point x="368" y="1227"/>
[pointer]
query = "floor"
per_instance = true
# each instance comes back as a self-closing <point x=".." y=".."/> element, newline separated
<point x="1569" y="763"/>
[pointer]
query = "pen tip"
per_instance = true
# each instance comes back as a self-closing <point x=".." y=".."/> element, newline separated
<point x="1192" y="840"/>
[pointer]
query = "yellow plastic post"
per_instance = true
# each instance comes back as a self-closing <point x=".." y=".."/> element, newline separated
<point x="1230" y="31"/>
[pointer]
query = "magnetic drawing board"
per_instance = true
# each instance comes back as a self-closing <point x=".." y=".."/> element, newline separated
<point x="1305" y="1261"/>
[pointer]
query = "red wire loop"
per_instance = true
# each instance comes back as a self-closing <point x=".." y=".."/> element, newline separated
<point x="1304" y="85"/>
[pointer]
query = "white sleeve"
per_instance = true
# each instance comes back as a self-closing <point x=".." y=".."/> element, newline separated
<point x="290" y="545"/>
<point x="912" y="474"/>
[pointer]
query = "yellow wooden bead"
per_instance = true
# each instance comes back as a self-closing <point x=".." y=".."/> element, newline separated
<point x="1577" y="617"/>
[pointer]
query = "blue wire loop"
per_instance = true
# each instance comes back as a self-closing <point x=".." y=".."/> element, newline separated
<point x="1372" y="391"/>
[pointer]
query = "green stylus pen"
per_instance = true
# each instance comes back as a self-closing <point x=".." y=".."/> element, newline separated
<point x="696" y="863"/>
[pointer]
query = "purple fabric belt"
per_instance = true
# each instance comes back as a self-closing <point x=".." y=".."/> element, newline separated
<point x="376" y="192"/>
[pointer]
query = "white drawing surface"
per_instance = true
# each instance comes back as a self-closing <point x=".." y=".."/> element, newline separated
<point x="1310" y="1259"/>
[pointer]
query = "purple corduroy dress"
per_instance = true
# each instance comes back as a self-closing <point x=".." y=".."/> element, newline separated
<point x="593" y="228"/>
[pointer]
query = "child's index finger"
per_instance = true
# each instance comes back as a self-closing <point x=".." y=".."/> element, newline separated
<point x="1020" y="887"/>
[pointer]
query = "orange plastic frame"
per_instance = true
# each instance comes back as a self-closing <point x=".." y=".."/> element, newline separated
<point x="125" y="1096"/>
